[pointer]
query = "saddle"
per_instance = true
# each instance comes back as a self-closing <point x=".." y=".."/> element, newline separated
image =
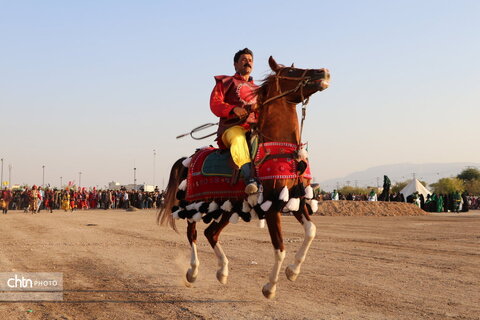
<point x="213" y="175"/>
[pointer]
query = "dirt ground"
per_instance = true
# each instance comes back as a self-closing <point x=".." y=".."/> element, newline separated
<point x="121" y="265"/>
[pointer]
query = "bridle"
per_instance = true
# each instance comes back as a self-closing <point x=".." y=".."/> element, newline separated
<point x="303" y="80"/>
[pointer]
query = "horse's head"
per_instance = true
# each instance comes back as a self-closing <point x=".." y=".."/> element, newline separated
<point x="295" y="84"/>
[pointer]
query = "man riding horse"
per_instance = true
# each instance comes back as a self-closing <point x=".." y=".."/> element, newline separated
<point x="233" y="99"/>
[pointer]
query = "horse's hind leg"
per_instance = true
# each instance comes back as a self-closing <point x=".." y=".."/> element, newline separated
<point x="212" y="232"/>
<point x="275" y="230"/>
<point x="192" y="272"/>
<point x="310" y="229"/>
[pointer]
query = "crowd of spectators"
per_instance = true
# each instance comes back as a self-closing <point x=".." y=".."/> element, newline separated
<point x="36" y="198"/>
<point x="453" y="202"/>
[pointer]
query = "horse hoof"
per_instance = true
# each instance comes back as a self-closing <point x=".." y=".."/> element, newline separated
<point x="221" y="277"/>
<point x="189" y="277"/>
<point x="292" y="276"/>
<point x="267" y="293"/>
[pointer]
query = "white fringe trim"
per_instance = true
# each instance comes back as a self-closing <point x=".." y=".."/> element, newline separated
<point x="302" y="154"/>
<point x="175" y="214"/>
<point x="197" y="217"/>
<point x="234" y="218"/>
<point x="246" y="206"/>
<point x="212" y="206"/>
<point x="252" y="200"/>
<point x="186" y="162"/>
<point x="227" y="206"/>
<point x="183" y="185"/>
<point x="284" y="194"/>
<point x="261" y="223"/>
<point x="309" y="192"/>
<point x="313" y="204"/>
<point x="266" y="205"/>
<point x="293" y="204"/>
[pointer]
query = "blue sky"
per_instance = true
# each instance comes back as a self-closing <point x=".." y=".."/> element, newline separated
<point x="96" y="86"/>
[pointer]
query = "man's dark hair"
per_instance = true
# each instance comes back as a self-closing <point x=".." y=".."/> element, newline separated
<point x="240" y="52"/>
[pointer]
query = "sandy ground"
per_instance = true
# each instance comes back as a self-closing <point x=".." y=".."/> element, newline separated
<point x="121" y="265"/>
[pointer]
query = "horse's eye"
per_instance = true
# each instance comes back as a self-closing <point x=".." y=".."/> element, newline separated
<point x="290" y="70"/>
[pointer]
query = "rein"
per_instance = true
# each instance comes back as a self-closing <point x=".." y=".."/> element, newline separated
<point x="302" y="82"/>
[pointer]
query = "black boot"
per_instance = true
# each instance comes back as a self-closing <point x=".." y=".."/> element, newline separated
<point x="251" y="185"/>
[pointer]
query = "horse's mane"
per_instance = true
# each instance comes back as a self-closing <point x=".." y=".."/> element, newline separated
<point x="262" y="90"/>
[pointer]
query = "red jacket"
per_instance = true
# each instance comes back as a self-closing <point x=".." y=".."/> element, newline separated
<point x="228" y="93"/>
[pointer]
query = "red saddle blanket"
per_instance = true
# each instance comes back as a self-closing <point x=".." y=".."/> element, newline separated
<point x="207" y="180"/>
<point x="206" y="184"/>
<point x="278" y="168"/>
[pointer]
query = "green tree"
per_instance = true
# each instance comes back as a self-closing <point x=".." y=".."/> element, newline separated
<point x="397" y="187"/>
<point x="353" y="190"/>
<point x="473" y="187"/>
<point x="448" y="185"/>
<point x="469" y="174"/>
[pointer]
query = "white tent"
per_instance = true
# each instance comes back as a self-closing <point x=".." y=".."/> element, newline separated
<point x="415" y="186"/>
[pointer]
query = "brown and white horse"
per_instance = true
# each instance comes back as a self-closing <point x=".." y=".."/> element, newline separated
<point x="277" y="98"/>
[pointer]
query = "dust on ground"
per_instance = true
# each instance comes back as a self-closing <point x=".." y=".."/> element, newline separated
<point x="121" y="265"/>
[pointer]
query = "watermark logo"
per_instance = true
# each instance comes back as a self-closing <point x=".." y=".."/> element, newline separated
<point x="31" y="286"/>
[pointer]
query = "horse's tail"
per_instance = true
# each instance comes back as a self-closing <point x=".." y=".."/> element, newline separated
<point x="177" y="174"/>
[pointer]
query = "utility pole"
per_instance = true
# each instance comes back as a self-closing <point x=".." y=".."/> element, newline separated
<point x="154" y="157"/>
<point x="61" y="183"/>
<point x="43" y="176"/>
<point x="9" y="176"/>
<point x="79" y="179"/>
<point x="1" y="177"/>
<point x="378" y="182"/>
<point x="135" y="178"/>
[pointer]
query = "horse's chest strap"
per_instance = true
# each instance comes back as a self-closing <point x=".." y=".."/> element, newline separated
<point x="275" y="156"/>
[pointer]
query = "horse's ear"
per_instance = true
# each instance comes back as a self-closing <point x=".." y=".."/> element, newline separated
<point x="293" y="65"/>
<point x="273" y="64"/>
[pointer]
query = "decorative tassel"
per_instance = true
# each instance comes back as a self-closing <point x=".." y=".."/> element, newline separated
<point x="246" y="206"/>
<point x="252" y="200"/>
<point x="204" y="207"/>
<point x="309" y="192"/>
<point x="186" y="162"/>
<point x="266" y="205"/>
<point x="181" y="194"/>
<point x="212" y="206"/>
<point x="197" y="217"/>
<point x="284" y="194"/>
<point x="260" y="197"/>
<point x="191" y="206"/>
<point x="183" y="204"/>
<point x="234" y="218"/>
<point x="302" y="153"/>
<point x="261" y="223"/>
<point x="254" y="214"/>
<point x="175" y="214"/>
<point x="293" y="204"/>
<point x="313" y="205"/>
<point x="183" y="185"/>
<point x="227" y="206"/>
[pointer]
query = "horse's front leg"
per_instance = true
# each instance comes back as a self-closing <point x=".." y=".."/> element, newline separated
<point x="212" y="232"/>
<point x="275" y="230"/>
<point x="310" y="229"/>
<point x="192" y="272"/>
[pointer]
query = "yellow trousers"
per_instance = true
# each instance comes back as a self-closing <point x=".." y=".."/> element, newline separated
<point x="234" y="138"/>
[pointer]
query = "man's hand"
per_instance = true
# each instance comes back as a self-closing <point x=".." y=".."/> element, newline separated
<point x="240" y="112"/>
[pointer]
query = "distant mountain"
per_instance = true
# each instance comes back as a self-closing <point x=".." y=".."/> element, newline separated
<point x="428" y="172"/>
